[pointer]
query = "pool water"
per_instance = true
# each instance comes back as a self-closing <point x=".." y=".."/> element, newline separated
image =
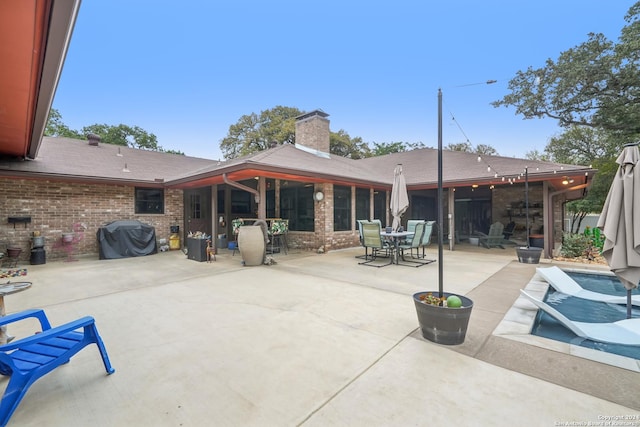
<point x="582" y="310"/>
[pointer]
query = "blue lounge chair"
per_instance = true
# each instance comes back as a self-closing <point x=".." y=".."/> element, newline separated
<point x="28" y="359"/>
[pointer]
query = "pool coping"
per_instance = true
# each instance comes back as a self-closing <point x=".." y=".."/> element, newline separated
<point x="518" y="322"/>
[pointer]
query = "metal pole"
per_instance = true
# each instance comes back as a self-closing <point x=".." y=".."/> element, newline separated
<point x="440" y="201"/>
<point x="526" y="200"/>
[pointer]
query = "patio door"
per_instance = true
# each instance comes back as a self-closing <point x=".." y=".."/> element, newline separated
<point x="197" y="210"/>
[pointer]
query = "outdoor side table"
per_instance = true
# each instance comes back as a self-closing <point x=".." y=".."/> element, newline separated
<point x="8" y="289"/>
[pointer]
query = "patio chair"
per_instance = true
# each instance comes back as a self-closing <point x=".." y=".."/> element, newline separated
<point x="508" y="230"/>
<point x="426" y="238"/>
<point x="372" y="239"/>
<point x="235" y="229"/>
<point x="359" y="222"/>
<point x="28" y="359"/>
<point x="495" y="238"/>
<point x="278" y="234"/>
<point x="414" y="244"/>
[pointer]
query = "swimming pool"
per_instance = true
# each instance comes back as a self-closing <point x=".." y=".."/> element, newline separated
<point x="582" y="310"/>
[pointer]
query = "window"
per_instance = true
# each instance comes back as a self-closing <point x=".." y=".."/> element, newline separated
<point x="380" y="206"/>
<point x="196" y="206"/>
<point x="149" y="200"/>
<point x="341" y="208"/>
<point x="296" y="205"/>
<point x="362" y="203"/>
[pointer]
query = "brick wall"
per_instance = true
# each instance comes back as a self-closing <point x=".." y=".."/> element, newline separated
<point x="55" y="207"/>
<point x="313" y="132"/>
<point x="510" y="199"/>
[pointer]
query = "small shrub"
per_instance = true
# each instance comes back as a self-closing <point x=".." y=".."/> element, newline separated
<point x="574" y="245"/>
<point x="596" y="238"/>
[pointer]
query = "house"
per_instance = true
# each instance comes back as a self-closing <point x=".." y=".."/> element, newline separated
<point x="56" y="185"/>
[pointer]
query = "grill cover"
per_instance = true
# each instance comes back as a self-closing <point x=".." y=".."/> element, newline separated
<point x="124" y="239"/>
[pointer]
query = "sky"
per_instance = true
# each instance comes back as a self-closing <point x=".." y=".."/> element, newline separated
<point x="187" y="71"/>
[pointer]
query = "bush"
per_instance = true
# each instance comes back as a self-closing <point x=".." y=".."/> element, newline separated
<point x="575" y="245"/>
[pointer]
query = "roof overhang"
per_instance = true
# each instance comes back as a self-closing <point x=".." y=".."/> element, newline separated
<point x="35" y="38"/>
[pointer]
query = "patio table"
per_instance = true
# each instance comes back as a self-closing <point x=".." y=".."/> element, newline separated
<point x="395" y="237"/>
<point x="8" y="289"/>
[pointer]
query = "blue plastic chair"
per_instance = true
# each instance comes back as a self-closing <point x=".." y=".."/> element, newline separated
<point x="28" y="359"/>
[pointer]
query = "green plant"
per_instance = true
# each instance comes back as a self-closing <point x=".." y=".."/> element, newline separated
<point x="574" y="245"/>
<point x="596" y="237"/>
<point x="431" y="299"/>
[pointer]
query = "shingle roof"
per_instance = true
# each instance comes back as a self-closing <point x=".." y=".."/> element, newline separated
<point x="70" y="158"/>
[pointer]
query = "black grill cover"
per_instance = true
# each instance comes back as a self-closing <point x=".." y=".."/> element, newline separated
<point x="124" y="239"/>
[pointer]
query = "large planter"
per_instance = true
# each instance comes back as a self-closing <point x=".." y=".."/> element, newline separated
<point x="530" y="255"/>
<point x="251" y="245"/>
<point x="443" y="325"/>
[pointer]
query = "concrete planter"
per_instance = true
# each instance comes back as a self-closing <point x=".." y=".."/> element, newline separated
<point x="443" y="325"/>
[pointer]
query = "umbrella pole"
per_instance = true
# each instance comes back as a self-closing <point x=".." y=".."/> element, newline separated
<point x="628" y="303"/>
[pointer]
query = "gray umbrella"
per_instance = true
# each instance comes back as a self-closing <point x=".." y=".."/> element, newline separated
<point x="399" y="197"/>
<point x="620" y="221"/>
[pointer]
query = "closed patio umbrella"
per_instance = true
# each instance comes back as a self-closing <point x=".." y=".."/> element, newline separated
<point x="399" y="197"/>
<point x="620" y="221"/>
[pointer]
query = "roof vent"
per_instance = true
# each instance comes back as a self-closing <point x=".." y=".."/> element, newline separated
<point x="93" y="139"/>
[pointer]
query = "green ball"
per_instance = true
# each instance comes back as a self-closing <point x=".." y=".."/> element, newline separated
<point x="454" y="301"/>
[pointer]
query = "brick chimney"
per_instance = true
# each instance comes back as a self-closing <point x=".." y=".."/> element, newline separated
<point x="312" y="131"/>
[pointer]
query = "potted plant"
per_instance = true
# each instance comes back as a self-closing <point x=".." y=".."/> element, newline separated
<point x="443" y="316"/>
<point x="443" y="319"/>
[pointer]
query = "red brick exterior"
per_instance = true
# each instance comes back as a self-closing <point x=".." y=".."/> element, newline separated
<point x="55" y="207"/>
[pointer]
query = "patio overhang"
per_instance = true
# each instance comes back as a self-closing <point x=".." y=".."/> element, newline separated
<point x="39" y="31"/>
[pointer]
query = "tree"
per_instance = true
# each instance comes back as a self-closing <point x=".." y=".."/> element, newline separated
<point x="536" y="155"/>
<point x="55" y="127"/>
<point x="460" y="146"/>
<point x="127" y="136"/>
<point x="380" y="149"/>
<point x="468" y="148"/>
<point x="341" y="144"/>
<point x="486" y="150"/>
<point x="595" y="84"/>
<point x="254" y="133"/>
<point x="582" y="145"/>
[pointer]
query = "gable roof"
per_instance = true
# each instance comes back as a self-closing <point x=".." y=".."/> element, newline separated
<point x="77" y="160"/>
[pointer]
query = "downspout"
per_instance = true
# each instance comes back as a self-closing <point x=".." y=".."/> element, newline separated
<point x="253" y="191"/>
<point x="548" y="231"/>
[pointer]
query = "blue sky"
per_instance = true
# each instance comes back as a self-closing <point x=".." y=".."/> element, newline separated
<point x="186" y="71"/>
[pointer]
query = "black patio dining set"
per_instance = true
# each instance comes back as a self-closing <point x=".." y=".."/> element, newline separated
<point x="387" y="246"/>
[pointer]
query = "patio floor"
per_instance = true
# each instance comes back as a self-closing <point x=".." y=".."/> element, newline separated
<point x="313" y="340"/>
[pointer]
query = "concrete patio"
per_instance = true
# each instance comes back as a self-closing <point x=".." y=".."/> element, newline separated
<point x="313" y="340"/>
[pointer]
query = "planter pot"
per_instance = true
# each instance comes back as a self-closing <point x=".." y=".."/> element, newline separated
<point x="529" y="255"/>
<point x="14" y="252"/>
<point x="443" y="325"/>
<point x="536" y="240"/>
<point x="251" y="245"/>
